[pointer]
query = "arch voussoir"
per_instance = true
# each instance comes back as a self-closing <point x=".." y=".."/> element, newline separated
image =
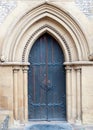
<point x="58" y="16"/>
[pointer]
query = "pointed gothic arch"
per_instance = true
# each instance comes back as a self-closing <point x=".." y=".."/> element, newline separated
<point x="46" y="12"/>
<point x="63" y="27"/>
<point x="46" y="81"/>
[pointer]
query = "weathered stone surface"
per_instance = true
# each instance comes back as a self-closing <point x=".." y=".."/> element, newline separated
<point x="74" y="32"/>
<point x="50" y="127"/>
<point x="5" y="8"/>
<point x="86" y="6"/>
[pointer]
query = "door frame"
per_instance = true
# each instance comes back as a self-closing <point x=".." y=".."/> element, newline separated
<point x="73" y="81"/>
<point x="72" y="38"/>
<point x="63" y="75"/>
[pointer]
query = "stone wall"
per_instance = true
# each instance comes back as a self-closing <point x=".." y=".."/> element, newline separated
<point x="21" y="25"/>
<point x="5" y="8"/>
<point x="86" y="6"/>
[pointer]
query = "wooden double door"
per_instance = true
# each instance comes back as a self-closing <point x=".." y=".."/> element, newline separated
<point x="46" y="81"/>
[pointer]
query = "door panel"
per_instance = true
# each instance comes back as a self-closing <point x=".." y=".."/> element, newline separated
<point x="46" y="81"/>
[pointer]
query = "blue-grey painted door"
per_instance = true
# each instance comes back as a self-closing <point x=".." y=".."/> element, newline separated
<point x="46" y="81"/>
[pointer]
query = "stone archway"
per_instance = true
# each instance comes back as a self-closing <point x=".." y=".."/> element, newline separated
<point x="59" y="24"/>
<point x="47" y="15"/>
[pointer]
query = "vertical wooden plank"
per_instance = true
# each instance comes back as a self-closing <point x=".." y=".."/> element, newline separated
<point x="49" y="66"/>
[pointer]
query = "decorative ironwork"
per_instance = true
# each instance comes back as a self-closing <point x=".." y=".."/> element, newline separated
<point x="46" y="87"/>
<point x="46" y="81"/>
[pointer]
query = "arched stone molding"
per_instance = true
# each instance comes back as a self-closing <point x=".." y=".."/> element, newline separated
<point x="63" y="27"/>
<point x="62" y="19"/>
<point x="45" y="25"/>
<point x="52" y="31"/>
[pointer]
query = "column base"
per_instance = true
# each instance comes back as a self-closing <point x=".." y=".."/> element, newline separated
<point x="78" y="122"/>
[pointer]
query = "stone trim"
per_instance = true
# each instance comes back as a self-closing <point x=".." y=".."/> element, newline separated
<point x="78" y="94"/>
<point x="14" y="64"/>
<point x="73" y="93"/>
<point x="80" y="63"/>
<point x="46" y="26"/>
<point x="59" y="15"/>
<point x="25" y="92"/>
<point x="68" y="93"/>
<point x="15" y="91"/>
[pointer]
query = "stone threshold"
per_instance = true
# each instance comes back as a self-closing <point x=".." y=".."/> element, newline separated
<point x="58" y="123"/>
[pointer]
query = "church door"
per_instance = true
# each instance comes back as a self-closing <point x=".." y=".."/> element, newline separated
<point x="46" y="81"/>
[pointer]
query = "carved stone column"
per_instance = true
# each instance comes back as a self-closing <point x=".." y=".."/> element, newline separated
<point x="15" y="92"/>
<point x="68" y="93"/>
<point x="25" y="92"/>
<point x="78" y="94"/>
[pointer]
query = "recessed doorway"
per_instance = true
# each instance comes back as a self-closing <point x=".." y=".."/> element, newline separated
<point x="46" y="81"/>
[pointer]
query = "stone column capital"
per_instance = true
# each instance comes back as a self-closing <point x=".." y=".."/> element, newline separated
<point x="77" y="68"/>
<point x="68" y="68"/>
<point x="16" y="69"/>
<point x="25" y="69"/>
